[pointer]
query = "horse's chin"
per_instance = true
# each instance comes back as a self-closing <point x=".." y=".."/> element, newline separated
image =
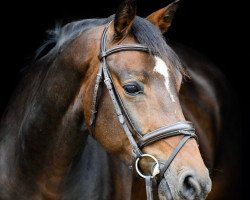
<point x="164" y="191"/>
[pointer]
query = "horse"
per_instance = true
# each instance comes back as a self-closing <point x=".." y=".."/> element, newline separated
<point x="106" y="109"/>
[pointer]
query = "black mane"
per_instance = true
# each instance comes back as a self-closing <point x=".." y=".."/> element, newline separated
<point x="145" y="33"/>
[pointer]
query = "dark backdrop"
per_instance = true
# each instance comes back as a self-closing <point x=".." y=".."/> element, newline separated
<point x="216" y="28"/>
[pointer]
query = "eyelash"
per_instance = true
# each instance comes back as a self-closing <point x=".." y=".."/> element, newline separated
<point x="133" y="88"/>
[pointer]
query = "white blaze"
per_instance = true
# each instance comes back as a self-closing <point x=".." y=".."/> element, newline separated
<point x="161" y="68"/>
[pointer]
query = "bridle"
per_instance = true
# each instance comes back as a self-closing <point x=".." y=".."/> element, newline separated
<point x="184" y="128"/>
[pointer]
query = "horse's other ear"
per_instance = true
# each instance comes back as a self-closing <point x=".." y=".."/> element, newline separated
<point x="163" y="18"/>
<point x="124" y="18"/>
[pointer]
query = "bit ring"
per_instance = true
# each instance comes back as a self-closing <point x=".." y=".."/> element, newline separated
<point x="156" y="166"/>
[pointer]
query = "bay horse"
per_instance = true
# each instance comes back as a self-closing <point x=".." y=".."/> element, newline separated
<point x="108" y="105"/>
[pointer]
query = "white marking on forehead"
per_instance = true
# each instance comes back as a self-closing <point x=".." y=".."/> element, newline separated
<point x="161" y="68"/>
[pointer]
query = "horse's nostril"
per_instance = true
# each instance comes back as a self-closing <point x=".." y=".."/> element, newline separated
<point x="194" y="187"/>
<point x="190" y="187"/>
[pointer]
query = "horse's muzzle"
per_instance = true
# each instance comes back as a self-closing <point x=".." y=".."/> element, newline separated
<point x="189" y="186"/>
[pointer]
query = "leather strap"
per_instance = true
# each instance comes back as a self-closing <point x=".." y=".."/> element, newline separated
<point x="124" y="47"/>
<point x="124" y="110"/>
<point x="116" y="100"/>
<point x="136" y="151"/>
<point x="172" y="156"/>
<point x="169" y="193"/>
<point x="98" y="78"/>
<point x="95" y="94"/>
<point x="179" y="128"/>
<point x="102" y="57"/>
<point x="149" y="188"/>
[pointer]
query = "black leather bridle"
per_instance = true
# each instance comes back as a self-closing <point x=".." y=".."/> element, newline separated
<point x="184" y="128"/>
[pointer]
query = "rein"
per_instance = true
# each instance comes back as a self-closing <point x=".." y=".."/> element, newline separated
<point x="184" y="128"/>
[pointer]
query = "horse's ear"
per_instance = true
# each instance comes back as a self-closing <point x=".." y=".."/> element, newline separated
<point x="163" y="18"/>
<point x="124" y="18"/>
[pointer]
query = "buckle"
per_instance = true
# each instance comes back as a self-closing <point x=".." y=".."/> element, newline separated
<point x="102" y="55"/>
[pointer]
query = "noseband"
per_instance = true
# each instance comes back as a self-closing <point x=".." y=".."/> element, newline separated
<point x="184" y="128"/>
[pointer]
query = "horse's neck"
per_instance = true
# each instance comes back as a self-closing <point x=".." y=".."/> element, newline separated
<point x="97" y="175"/>
<point x="41" y="133"/>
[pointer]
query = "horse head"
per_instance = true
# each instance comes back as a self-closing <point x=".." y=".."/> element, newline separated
<point x="146" y="85"/>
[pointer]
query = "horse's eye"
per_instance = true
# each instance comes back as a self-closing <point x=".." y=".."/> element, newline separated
<point x="132" y="88"/>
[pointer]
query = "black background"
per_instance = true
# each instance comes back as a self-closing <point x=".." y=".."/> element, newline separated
<point x="215" y="28"/>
